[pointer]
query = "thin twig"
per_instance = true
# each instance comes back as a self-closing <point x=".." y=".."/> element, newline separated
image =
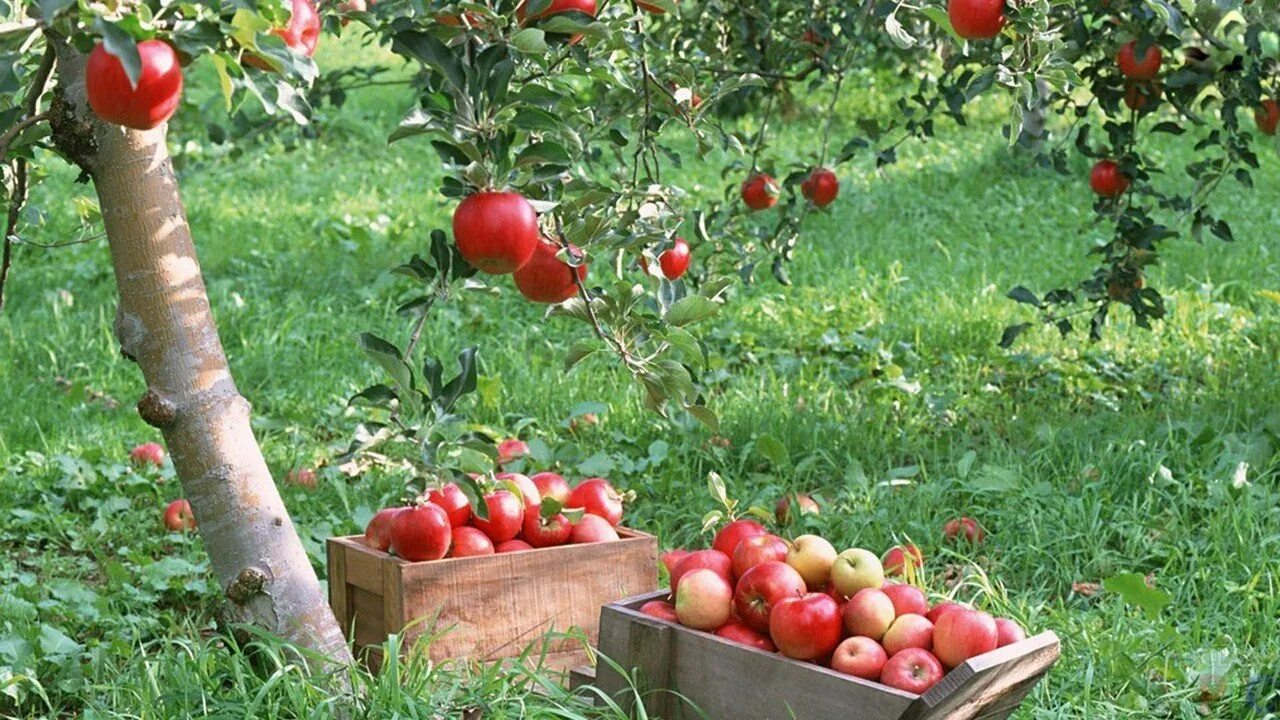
<point x="831" y="113"/>
<point x="19" y="198"/>
<point x="585" y="294"/>
<point x="17" y="128"/>
<point x="415" y="335"/>
<point x="15" y="209"/>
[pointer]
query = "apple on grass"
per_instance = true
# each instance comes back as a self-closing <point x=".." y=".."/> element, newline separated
<point x="860" y="657"/>
<point x="812" y="557"/>
<point x="868" y="613"/>
<point x="806" y="627"/>
<point x="908" y="631"/>
<point x="761" y="588"/>
<point x="962" y="634"/>
<point x="147" y="454"/>
<point x="704" y="600"/>
<point x="897" y="559"/>
<point x="913" y="670"/>
<point x="807" y="505"/>
<point x="178" y="517"/>
<point x="856" y="569"/>
<point x="907" y="599"/>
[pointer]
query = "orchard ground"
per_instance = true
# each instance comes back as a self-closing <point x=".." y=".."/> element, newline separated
<point x="875" y="383"/>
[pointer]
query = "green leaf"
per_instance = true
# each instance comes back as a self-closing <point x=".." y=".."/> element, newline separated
<point x="432" y="53"/>
<point x="122" y="45"/>
<point x="773" y="450"/>
<point x="530" y="41"/>
<point x="53" y="642"/>
<point x="578" y="352"/>
<point x="705" y="416"/>
<point x="388" y="356"/>
<point x="691" y="309"/>
<point x="1133" y="588"/>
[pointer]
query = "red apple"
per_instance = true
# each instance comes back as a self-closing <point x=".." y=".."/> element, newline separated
<point x="761" y="588"/>
<point x="1267" y="116"/>
<point x="756" y="550"/>
<point x="496" y="232"/>
<point x="907" y="599"/>
<point x="868" y="613"/>
<point x="421" y="532"/>
<point x="897" y="558"/>
<point x="510" y="450"/>
<point x="597" y="497"/>
<point x="698" y="559"/>
<point x="592" y="528"/>
<point x="760" y="192"/>
<point x="551" y="485"/>
<point x="735" y="532"/>
<point x="147" y="454"/>
<point x="704" y="600"/>
<point x="976" y="19"/>
<point x="908" y="631"/>
<point x="962" y="634"/>
<point x="913" y="670"/>
<point x="806" y="627"/>
<point x="1008" y="632"/>
<point x="941" y="609"/>
<point x="450" y="498"/>
<point x="671" y="558"/>
<point x="145" y="105"/>
<point x="660" y="609"/>
<point x="674" y="261"/>
<point x="470" y="542"/>
<point x="860" y="657"/>
<point x="301" y="34"/>
<point x="512" y="546"/>
<point x="302" y="477"/>
<point x="740" y="633"/>
<point x="821" y="187"/>
<point x="506" y="514"/>
<point x="528" y="491"/>
<point x="1135" y="67"/>
<point x="546" y="278"/>
<point x="542" y="532"/>
<point x="178" y="516"/>
<point x="782" y="508"/>
<point x="1109" y="181"/>
<point x="377" y="534"/>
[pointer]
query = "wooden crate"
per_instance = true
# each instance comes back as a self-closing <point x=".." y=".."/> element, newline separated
<point x="491" y="607"/>
<point x="679" y="669"/>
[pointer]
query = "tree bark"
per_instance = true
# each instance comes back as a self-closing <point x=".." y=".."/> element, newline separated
<point x="165" y="324"/>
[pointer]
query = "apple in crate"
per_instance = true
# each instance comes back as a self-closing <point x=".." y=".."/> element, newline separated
<point x="704" y="600"/>
<point x="812" y="557"/>
<point x="860" y="657"/>
<point x="908" y="631"/>
<point x="592" y="528"/>
<point x="907" y="599"/>
<point x="1008" y="632"/>
<point x="854" y="570"/>
<point x="470" y="542"/>
<point x="660" y="609"/>
<point x="735" y="532"/>
<point x="868" y="613"/>
<point x="713" y="560"/>
<point x="913" y="670"/>
<point x="806" y="627"/>
<point x="962" y="634"/>
<point x="377" y="534"/>
<point x="757" y="550"/>
<point x="760" y="590"/>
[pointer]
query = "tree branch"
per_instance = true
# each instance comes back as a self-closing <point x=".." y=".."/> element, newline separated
<point x="15" y="210"/>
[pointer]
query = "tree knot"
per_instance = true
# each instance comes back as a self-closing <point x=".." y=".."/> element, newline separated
<point x="248" y="584"/>
<point x="156" y="410"/>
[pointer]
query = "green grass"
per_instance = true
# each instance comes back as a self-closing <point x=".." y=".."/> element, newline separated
<point x="1083" y="461"/>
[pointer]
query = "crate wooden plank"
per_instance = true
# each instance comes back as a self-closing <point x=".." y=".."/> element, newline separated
<point x="728" y="681"/>
<point x="339" y="592"/>
<point x="491" y="607"/>
<point x="982" y="682"/>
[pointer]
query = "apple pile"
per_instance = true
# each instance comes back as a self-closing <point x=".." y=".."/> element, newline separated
<point x="809" y="602"/>
<point x="524" y="513"/>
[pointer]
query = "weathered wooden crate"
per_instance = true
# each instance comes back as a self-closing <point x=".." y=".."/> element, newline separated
<point x="491" y="607"/>
<point x="679" y="669"/>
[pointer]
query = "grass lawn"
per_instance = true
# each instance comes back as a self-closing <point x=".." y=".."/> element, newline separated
<point x="877" y="373"/>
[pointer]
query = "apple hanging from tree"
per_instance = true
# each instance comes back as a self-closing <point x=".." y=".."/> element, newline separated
<point x="1267" y="117"/>
<point x="496" y="232"/>
<point x="675" y="259"/>
<point x="555" y="8"/>
<point x="143" y="106"/>
<point x="301" y="34"/>
<point x="1135" y="66"/>
<point x="760" y="192"/>
<point x="548" y="279"/>
<point x="1107" y="180"/>
<point x="821" y="187"/>
<point x="178" y="516"/>
<point x="976" y="19"/>
<point x="1141" y="96"/>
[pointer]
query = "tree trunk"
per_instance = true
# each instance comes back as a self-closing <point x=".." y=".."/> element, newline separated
<point x="165" y="324"/>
